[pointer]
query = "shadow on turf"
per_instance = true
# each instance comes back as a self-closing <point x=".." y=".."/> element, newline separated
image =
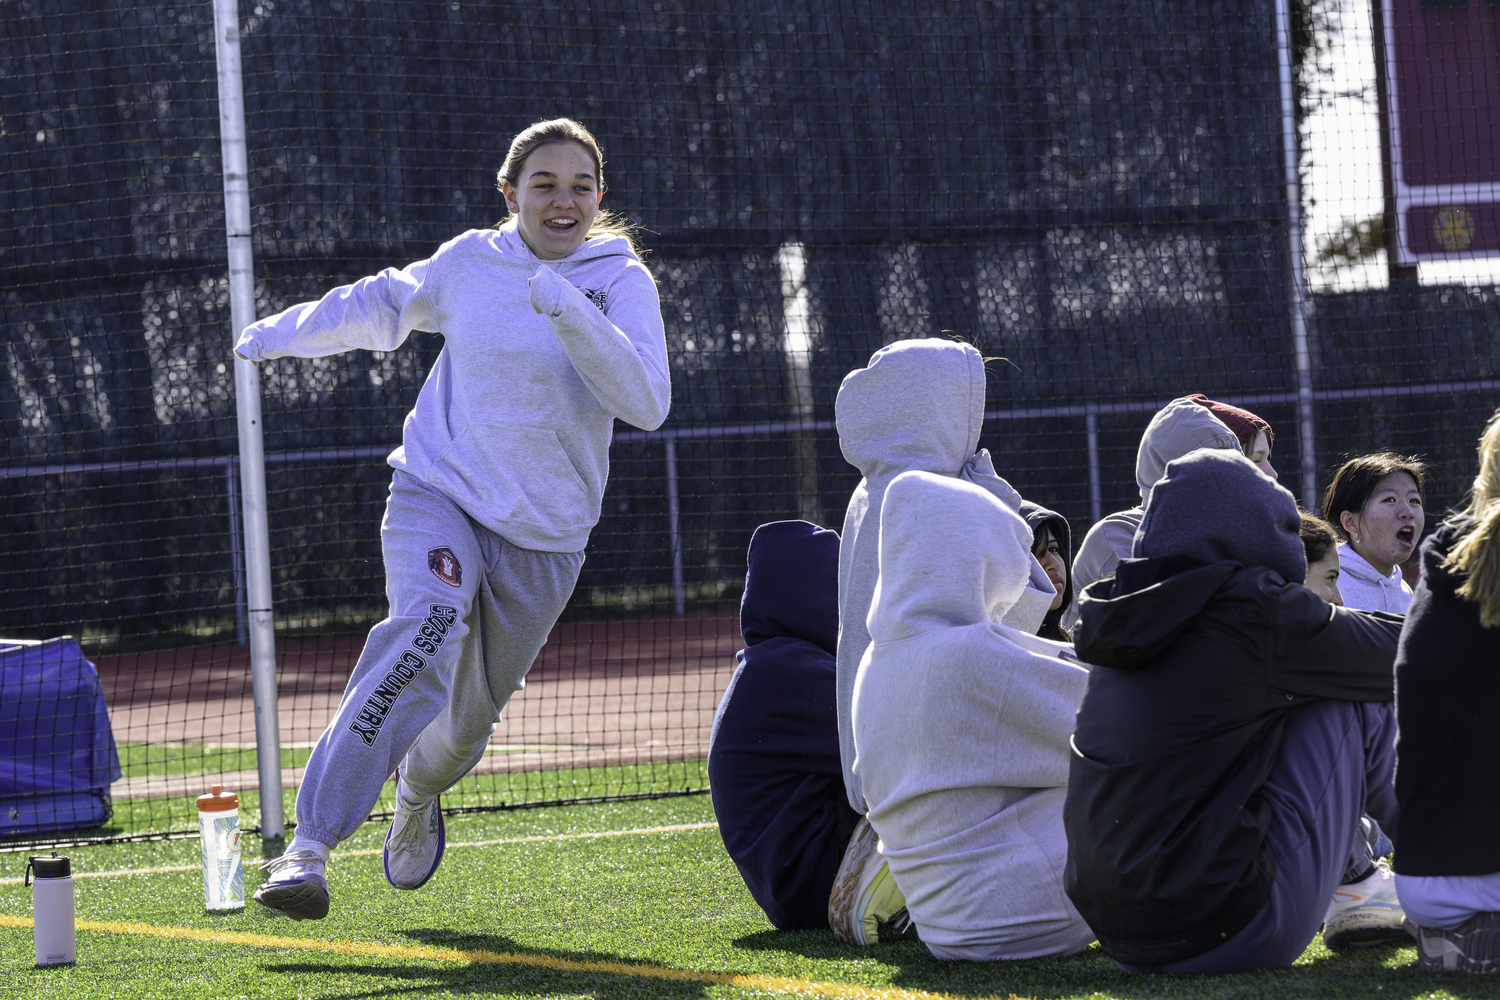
<point x="400" y="980"/>
<point x="1353" y="974"/>
<point x="1350" y="974"/>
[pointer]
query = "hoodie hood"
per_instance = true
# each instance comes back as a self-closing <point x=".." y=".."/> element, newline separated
<point x="918" y="404"/>
<point x="951" y="554"/>
<point x="1216" y="506"/>
<point x="1036" y="516"/>
<point x="792" y="585"/>
<point x="593" y="248"/>
<point x="1178" y="428"/>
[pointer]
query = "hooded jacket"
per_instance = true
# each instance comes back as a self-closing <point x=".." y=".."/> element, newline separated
<point x="1177" y="428"/>
<point x="1037" y="516"/>
<point x="918" y="405"/>
<point x="1364" y="589"/>
<point x="1448" y="748"/>
<point x="1199" y="650"/>
<point x="773" y="763"/>
<point x="515" y="418"/>
<point x="961" y="726"/>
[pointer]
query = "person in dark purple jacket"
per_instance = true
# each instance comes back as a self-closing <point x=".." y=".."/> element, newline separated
<point x="1448" y="750"/>
<point x="1230" y="737"/>
<point x="773" y="760"/>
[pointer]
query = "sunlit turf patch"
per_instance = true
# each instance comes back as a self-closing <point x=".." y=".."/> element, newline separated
<point x="139" y="760"/>
<point x="141" y="817"/>
<point x="570" y="917"/>
<point x="636" y="970"/>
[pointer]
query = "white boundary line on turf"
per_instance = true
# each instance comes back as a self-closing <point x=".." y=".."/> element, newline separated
<point x="539" y="839"/>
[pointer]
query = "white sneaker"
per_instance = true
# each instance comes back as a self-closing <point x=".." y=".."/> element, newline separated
<point x="414" y="845"/>
<point x="864" y="895"/>
<point x="1366" y="913"/>
<point x="297" y="886"/>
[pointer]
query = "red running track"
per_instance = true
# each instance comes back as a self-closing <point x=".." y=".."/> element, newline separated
<point x="616" y="692"/>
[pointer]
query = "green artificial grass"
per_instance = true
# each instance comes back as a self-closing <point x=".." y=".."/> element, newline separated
<point x="139" y="760"/>
<point x="667" y="899"/>
<point x="135" y="817"/>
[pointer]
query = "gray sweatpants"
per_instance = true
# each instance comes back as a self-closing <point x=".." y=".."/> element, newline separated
<point x="469" y="612"/>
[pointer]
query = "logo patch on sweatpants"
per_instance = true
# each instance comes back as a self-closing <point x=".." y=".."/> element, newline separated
<point x="444" y="565"/>
<point x="430" y="635"/>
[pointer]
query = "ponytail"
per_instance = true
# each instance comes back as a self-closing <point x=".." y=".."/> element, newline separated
<point x="1477" y="554"/>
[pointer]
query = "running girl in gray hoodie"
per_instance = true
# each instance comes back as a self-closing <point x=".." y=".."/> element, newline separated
<point x="550" y="332"/>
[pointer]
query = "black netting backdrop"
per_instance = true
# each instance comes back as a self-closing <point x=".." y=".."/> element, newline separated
<point x="1093" y="192"/>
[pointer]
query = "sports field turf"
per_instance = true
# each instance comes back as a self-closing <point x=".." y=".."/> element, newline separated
<point x="560" y="912"/>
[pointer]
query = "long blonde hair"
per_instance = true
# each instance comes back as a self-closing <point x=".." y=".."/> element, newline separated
<point x="550" y="133"/>
<point x="1477" y="554"/>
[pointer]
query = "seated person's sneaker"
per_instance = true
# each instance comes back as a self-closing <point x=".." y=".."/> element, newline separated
<point x="1366" y="913"/>
<point x="864" y="895"/>
<point x="414" y="844"/>
<point x="297" y="886"/>
<point x="1473" y="946"/>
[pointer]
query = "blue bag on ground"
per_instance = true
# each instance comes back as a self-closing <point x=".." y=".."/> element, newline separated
<point x="57" y="751"/>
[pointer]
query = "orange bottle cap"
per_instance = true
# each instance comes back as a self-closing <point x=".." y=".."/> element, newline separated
<point x="218" y="801"/>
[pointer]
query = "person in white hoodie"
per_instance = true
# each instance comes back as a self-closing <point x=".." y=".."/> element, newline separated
<point x="1183" y="425"/>
<point x="961" y="728"/>
<point x="1376" y="503"/>
<point x="918" y="404"/>
<point x="552" y="329"/>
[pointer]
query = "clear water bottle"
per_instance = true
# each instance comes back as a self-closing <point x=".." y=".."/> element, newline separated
<point x="51" y="881"/>
<point x="219" y="838"/>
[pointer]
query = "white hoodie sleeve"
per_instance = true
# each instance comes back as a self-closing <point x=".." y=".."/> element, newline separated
<point x="375" y="313"/>
<point x="619" y="351"/>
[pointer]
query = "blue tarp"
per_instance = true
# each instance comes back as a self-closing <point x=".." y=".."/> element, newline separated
<point x="57" y="751"/>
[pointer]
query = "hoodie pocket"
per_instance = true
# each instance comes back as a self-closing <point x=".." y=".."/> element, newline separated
<point x="517" y="473"/>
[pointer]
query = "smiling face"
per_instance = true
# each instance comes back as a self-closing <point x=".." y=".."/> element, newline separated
<point x="1049" y="553"/>
<point x="1259" y="452"/>
<point x="556" y="199"/>
<point x="1385" y="532"/>
<point x="1323" y="578"/>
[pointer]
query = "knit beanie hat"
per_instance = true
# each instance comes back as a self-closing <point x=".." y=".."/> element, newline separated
<point x="1244" y="423"/>
<point x="1215" y="505"/>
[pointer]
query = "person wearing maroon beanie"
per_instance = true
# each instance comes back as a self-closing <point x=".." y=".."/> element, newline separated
<point x="1256" y="436"/>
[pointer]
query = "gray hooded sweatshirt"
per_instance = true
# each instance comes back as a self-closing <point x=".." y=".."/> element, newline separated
<point x="539" y="357"/>
<point x="1177" y="428"/>
<point x="962" y="728"/>
<point x="918" y="405"/>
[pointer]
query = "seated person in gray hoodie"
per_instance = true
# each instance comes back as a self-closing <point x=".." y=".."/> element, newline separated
<point x="1181" y="426"/>
<point x="773" y="758"/>
<point x="961" y="728"/>
<point x="1231" y="735"/>
<point x="918" y="404"/>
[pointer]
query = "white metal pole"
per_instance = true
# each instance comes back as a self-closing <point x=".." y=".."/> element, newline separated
<point x="1297" y="293"/>
<point x="247" y="404"/>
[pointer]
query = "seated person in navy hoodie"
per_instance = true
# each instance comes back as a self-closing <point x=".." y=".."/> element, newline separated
<point x="1230" y="737"/>
<point x="773" y="761"/>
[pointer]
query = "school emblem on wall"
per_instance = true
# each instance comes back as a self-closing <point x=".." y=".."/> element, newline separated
<point x="444" y="565"/>
<point x="1453" y="228"/>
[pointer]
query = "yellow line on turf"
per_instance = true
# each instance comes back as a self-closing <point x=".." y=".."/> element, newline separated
<point x="769" y="984"/>
<point x="376" y="850"/>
